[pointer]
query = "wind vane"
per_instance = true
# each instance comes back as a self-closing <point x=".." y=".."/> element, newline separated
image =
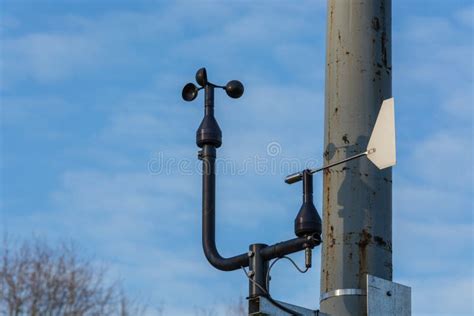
<point x="380" y="150"/>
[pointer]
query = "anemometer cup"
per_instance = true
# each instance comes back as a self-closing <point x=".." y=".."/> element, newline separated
<point x="234" y="89"/>
<point x="190" y="92"/>
<point x="201" y="77"/>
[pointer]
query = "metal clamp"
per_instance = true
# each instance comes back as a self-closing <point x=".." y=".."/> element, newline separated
<point x="341" y="292"/>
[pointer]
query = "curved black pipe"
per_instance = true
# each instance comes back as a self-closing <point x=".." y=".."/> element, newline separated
<point x="208" y="156"/>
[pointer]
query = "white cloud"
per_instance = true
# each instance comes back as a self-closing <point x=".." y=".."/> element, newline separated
<point x="433" y="181"/>
<point x="445" y="156"/>
<point x="113" y="194"/>
<point x="459" y="104"/>
<point x="48" y="57"/>
<point x="21" y="110"/>
<point x="441" y="61"/>
<point x="466" y="16"/>
<point x="8" y="23"/>
<point x="108" y="42"/>
<point x="442" y="295"/>
<point x="433" y="227"/>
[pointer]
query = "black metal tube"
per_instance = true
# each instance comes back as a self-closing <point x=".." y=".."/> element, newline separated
<point x="208" y="156"/>
<point x="287" y="247"/>
<point x="209" y="100"/>
<point x="307" y="187"/>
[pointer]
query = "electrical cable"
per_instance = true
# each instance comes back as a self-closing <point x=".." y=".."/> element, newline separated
<point x="267" y="278"/>
<point x="255" y="282"/>
<point x="282" y="307"/>
<point x="269" y="297"/>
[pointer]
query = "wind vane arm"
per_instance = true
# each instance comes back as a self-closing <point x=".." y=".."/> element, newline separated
<point x="381" y="149"/>
<point x="295" y="177"/>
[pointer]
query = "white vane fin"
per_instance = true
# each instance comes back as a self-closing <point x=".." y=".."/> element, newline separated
<point x="381" y="149"/>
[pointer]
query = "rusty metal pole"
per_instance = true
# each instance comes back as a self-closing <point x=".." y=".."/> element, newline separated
<point x="357" y="216"/>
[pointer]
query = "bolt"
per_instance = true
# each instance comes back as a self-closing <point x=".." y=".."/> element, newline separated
<point x="250" y="254"/>
<point x="251" y="274"/>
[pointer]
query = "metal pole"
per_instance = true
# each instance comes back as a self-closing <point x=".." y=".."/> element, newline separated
<point x="357" y="215"/>
<point x="258" y="272"/>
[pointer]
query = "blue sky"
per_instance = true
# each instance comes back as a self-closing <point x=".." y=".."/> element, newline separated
<point x="91" y="98"/>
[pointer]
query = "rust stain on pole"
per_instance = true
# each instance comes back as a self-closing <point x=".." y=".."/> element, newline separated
<point x="357" y="210"/>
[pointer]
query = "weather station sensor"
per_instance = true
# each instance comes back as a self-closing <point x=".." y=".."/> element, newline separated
<point x="307" y="224"/>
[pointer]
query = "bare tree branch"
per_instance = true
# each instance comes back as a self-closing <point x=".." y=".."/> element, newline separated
<point x="36" y="279"/>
